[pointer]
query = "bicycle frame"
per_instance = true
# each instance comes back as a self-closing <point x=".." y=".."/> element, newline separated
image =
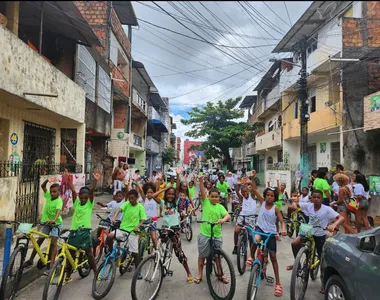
<point x="310" y="243"/>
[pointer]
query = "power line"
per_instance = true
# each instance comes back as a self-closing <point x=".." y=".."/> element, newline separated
<point x="276" y="14"/>
<point x="287" y="12"/>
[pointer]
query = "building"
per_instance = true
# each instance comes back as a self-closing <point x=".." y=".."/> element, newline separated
<point x="178" y="149"/>
<point x="336" y="87"/>
<point x="187" y="153"/>
<point x="107" y="19"/>
<point x="42" y="108"/>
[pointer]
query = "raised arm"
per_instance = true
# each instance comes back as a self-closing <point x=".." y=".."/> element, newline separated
<point x="238" y="194"/>
<point x="254" y="188"/>
<point x="72" y="188"/>
<point x="299" y="185"/>
<point x="202" y="188"/>
<point x="179" y="171"/>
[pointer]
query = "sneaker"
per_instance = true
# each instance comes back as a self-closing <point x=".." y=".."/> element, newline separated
<point x="234" y="251"/>
<point x="139" y="277"/>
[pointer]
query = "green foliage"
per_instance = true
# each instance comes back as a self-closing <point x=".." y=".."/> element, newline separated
<point x="216" y="122"/>
<point x="168" y="156"/>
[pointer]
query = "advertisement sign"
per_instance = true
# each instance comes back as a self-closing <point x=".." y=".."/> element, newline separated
<point x="374" y="185"/>
<point x="283" y="176"/>
<point x="374" y="103"/>
<point x="66" y="195"/>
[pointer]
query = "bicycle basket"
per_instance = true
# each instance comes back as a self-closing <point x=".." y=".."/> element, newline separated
<point x="24" y="228"/>
<point x="306" y="230"/>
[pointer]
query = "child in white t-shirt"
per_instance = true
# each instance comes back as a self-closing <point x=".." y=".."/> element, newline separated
<point x="113" y="206"/>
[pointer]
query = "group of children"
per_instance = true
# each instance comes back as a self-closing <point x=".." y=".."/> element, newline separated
<point x="174" y="201"/>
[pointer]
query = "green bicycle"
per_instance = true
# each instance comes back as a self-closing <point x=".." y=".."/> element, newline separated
<point x="145" y="241"/>
<point x="298" y="217"/>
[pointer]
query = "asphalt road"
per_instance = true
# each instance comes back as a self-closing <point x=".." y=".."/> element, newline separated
<point x="176" y="287"/>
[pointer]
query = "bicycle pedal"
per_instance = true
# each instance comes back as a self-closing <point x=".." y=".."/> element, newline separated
<point x="270" y="279"/>
<point x="169" y="273"/>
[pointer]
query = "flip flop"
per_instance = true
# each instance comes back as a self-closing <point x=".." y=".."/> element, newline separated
<point x="278" y="290"/>
<point x="190" y="280"/>
<point x="197" y="280"/>
<point x="289" y="268"/>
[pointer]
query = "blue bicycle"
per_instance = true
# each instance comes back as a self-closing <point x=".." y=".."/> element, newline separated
<point x="259" y="265"/>
<point x="119" y="257"/>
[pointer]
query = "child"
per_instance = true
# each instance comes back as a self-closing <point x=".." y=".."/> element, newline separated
<point x="80" y="231"/>
<point x="213" y="211"/>
<point x="319" y="215"/>
<point x="51" y="215"/>
<point x="133" y="217"/>
<point x="171" y="219"/>
<point x="266" y="223"/>
<point x="172" y="183"/>
<point x="248" y="209"/>
<point x="224" y="189"/>
<point x="184" y="206"/>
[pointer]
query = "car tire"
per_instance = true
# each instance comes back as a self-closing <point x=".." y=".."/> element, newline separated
<point x="335" y="286"/>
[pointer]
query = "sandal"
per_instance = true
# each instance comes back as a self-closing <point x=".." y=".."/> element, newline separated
<point x="190" y="279"/>
<point x="289" y="268"/>
<point x="197" y="280"/>
<point x="278" y="290"/>
<point x="322" y="290"/>
<point x="224" y="279"/>
<point x="249" y="261"/>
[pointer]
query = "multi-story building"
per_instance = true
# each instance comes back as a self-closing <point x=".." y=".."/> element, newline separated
<point x="178" y="149"/>
<point x="42" y="108"/>
<point x="342" y="54"/>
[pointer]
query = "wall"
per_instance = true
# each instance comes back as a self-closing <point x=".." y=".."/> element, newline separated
<point x="8" y="189"/>
<point x="119" y="146"/>
<point x="292" y="147"/>
<point x="372" y="111"/>
<point x="24" y="70"/>
<point x="284" y="177"/>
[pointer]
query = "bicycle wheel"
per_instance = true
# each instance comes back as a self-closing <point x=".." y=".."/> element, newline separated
<point x="12" y="274"/>
<point x="84" y="270"/>
<point x="54" y="281"/>
<point x="168" y="254"/>
<point x="241" y="253"/>
<point x="220" y="275"/>
<point x="300" y="275"/>
<point x="289" y="229"/>
<point x="103" y="279"/>
<point x="142" y="248"/>
<point x="188" y="232"/>
<point x="315" y="270"/>
<point x="252" y="283"/>
<point x="152" y="274"/>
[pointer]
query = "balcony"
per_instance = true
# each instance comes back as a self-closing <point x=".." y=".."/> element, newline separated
<point x="157" y="121"/>
<point x="257" y="111"/>
<point x="139" y="102"/>
<point x="250" y="149"/>
<point x="25" y="72"/>
<point x="152" y="145"/>
<point x="268" y="140"/>
<point x="137" y="142"/>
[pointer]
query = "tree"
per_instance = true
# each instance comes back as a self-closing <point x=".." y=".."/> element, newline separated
<point x="217" y="122"/>
<point x="168" y="156"/>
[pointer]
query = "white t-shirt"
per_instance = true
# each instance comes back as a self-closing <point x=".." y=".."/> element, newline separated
<point x="359" y="190"/>
<point x="248" y="207"/>
<point x="304" y="199"/>
<point x="230" y="181"/>
<point x="320" y="217"/>
<point x="114" y="206"/>
<point x="150" y="207"/>
<point x="335" y="187"/>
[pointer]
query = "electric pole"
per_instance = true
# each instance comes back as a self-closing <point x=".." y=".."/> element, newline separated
<point x="302" y="95"/>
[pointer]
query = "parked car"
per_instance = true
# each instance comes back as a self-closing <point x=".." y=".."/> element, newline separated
<point x="170" y="173"/>
<point x="350" y="266"/>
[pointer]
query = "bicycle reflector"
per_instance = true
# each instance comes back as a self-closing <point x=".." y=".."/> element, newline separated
<point x="154" y="219"/>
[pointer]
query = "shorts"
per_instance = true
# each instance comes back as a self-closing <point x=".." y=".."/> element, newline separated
<point x="241" y="221"/>
<point x="363" y="203"/>
<point x="319" y="242"/>
<point x="80" y="239"/>
<point x="53" y="231"/>
<point x="326" y="201"/>
<point x="204" y="248"/>
<point x="341" y="208"/>
<point x="133" y="240"/>
<point x="272" y="243"/>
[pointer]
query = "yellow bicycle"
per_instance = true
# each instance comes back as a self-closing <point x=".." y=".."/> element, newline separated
<point x="15" y="267"/>
<point x="78" y="262"/>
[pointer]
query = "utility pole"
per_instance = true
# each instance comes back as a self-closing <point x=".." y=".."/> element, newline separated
<point x="302" y="95"/>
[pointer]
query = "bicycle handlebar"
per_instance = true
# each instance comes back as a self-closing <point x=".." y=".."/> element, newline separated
<point x="116" y="227"/>
<point x="287" y="220"/>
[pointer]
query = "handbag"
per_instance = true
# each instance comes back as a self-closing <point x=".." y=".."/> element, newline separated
<point x="353" y="205"/>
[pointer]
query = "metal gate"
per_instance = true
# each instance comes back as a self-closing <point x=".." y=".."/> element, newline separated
<point x="312" y="157"/>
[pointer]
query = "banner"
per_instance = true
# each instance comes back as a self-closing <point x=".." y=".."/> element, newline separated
<point x="78" y="180"/>
<point x="374" y="185"/>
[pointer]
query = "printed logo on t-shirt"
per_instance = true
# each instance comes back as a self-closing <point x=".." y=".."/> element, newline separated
<point x="314" y="220"/>
<point x="131" y="219"/>
<point x="170" y="210"/>
<point x="79" y="216"/>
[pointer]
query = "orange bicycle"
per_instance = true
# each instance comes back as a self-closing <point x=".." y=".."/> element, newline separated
<point x="99" y="244"/>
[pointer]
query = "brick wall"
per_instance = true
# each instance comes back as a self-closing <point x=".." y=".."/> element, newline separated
<point x="122" y="85"/>
<point x="351" y="33"/>
<point x="95" y="12"/>
<point x="120" y="115"/>
<point x="119" y="32"/>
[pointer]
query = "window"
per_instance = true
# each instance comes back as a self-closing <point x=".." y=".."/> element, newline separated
<point x="271" y="126"/>
<point x="368" y="244"/>
<point x="335" y="153"/>
<point x="279" y="155"/>
<point x="269" y="161"/>
<point x="312" y="101"/>
<point x="312" y="45"/>
<point x="296" y="110"/>
<point x="104" y="90"/>
<point x="86" y="70"/>
<point x="279" y="122"/>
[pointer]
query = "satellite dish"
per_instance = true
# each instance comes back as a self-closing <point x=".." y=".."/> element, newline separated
<point x="329" y="9"/>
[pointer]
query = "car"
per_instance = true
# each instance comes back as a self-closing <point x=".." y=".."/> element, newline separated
<point x="170" y="173"/>
<point x="350" y="266"/>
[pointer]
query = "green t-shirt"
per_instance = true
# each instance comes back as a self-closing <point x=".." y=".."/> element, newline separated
<point x="223" y="188"/>
<point x="174" y="185"/>
<point x="321" y="184"/>
<point x="171" y="216"/>
<point x="212" y="213"/>
<point x="50" y="208"/>
<point x="192" y="192"/>
<point x="279" y="202"/>
<point x="132" y="216"/>
<point x="82" y="214"/>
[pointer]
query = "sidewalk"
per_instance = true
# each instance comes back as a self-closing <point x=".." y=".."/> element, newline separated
<point x="32" y="273"/>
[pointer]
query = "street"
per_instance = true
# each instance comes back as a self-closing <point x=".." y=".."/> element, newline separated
<point x="176" y="286"/>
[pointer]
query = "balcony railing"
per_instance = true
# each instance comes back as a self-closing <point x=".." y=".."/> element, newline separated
<point x="152" y="145"/>
<point x="139" y="101"/>
<point x="137" y="140"/>
<point x="268" y="140"/>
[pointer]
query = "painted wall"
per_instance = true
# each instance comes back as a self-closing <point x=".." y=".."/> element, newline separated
<point x="24" y="70"/>
<point x="8" y="189"/>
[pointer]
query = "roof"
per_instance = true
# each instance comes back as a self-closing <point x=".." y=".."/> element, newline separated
<point x="144" y="74"/>
<point x="125" y="12"/>
<point x="248" y="101"/>
<point x="61" y="17"/>
<point x="318" y="13"/>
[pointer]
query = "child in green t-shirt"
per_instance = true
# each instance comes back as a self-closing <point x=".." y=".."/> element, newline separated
<point x="212" y="211"/>
<point x="51" y="215"/>
<point x="80" y="231"/>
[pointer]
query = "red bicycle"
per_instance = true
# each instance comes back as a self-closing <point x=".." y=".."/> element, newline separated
<point x="99" y="244"/>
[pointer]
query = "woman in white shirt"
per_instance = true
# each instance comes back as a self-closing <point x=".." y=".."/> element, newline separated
<point x="360" y="190"/>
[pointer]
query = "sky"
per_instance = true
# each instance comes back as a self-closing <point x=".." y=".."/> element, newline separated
<point x="226" y="57"/>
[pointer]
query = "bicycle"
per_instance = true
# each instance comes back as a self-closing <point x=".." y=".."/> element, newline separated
<point x="119" y="257"/>
<point x="145" y="241"/>
<point x="100" y="245"/>
<point x="215" y="271"/>
<point x="235" y="210"/>
<point x="242" y="246"/>
<point x="292" y="227"/>
<point x="15" y="267"/>
<point x="187" y="229"/>
<point x="260" y="264"/>
<point x="56" y="276"/>
<point x="158" y="264"/>
<point x="309" y="266"/>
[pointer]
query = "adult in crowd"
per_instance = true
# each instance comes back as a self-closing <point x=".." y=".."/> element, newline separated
<point x="361" y="190"/>
<point x="118" y="177"/>
<point x="320" y="183"/>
